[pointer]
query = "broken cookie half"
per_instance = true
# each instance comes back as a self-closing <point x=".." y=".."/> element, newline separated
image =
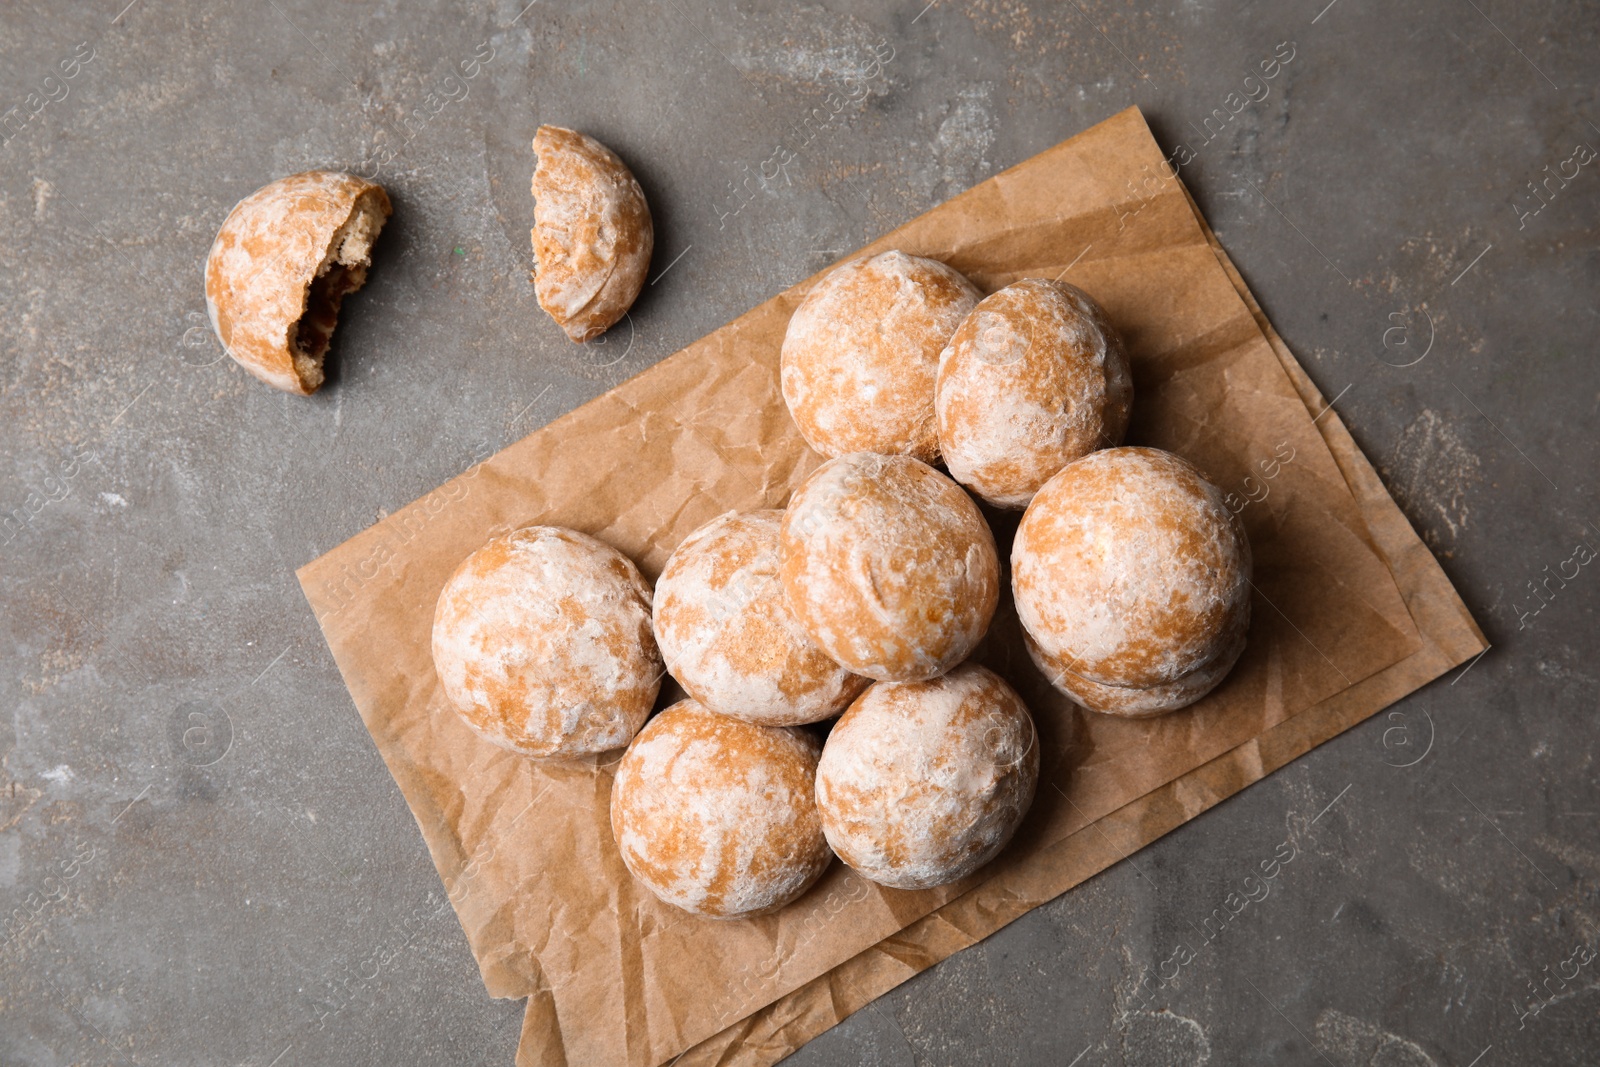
<point x="286" y="257"/>
<point x="592" y="234"/>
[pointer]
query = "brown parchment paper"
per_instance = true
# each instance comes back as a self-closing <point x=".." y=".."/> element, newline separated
<point x="1449" y="638"/>
<point x="525" y="848"/>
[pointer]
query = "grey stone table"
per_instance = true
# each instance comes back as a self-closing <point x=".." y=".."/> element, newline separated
<point x="204" y="860"/>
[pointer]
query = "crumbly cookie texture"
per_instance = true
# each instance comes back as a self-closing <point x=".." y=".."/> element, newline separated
<point x="281" y="265"/>
<point x="719" y="816"/>
<point x="542" y="643"/>
<point x="861" y="354"/>
<point x="592" y="233"/>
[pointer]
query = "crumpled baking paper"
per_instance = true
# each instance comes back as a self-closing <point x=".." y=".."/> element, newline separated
<point x="1350" y="613"/>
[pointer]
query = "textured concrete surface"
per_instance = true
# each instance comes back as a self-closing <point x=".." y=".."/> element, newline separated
<point x="204" y="860"/>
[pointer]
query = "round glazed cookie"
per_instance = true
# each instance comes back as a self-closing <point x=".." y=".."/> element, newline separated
<point x="542" y="642"/>
<point x="1034" y="378"/>
<point x="284" y="260"/>
<point x="922" y="783"/>
<point x="726" y="632"/>
<point x="1128" y="570"/>
<point x="592" y="232"/>
<point x="861" y="354"/>
<point x="719" y="816"/>
<point x="889" y="566"/>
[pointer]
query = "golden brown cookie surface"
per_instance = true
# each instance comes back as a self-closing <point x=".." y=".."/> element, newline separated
<point x="1128" y="569"/>
<point x="1136" y="702"/>
<point x="592" y="232"/>
<point x="1034" y="378"/>
<point x="724" y="627"/>
<point x="542" y="643"/>
<point x="922" y="783"/>
<point x="861" y="354"/>
<point x="719" y="816"/>
<point x="889" y="566"/>
<point x="281" y="265"/>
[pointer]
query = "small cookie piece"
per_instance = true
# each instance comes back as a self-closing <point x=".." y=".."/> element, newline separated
<point x="592" y="233"/>
<point x="542" y="642"/>
<point x="1129" y="571"/>
<point x="923" y="783"/>
<point x="1034" y="378"/>
<point x="889" y="566"/>
<point x="718" y="816"/>
<point x="861" y="354"/>
<point x="284" y="260"/>
<point x="726" y="632"/>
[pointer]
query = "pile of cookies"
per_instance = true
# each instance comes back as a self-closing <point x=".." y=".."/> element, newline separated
<point x="863" y="599"/>
<point x="860" y="602"/>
